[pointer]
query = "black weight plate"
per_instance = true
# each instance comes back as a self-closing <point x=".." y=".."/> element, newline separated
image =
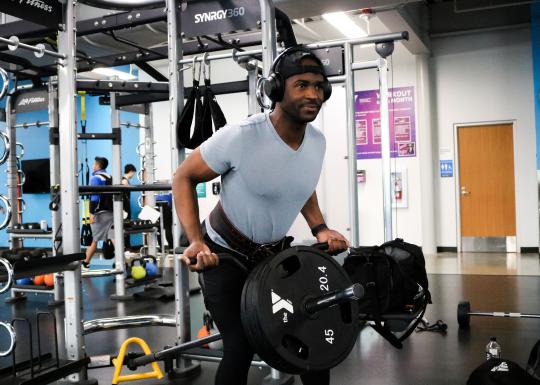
<point x="282" y="333"/>
<point x="250" y="318"/>
<point x="463" y="317"/>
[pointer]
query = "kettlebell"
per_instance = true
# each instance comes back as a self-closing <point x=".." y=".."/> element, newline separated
<point x="209" y="329"/>
<point x="138" y="271"/>
<point x="151" y="266"/>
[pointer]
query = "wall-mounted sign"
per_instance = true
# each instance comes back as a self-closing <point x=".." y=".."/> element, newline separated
<point x="447" y="168"/>
<point x="402" y="123"/>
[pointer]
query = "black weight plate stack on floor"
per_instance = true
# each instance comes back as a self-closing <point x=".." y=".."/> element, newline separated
<point x="273" y="312"/>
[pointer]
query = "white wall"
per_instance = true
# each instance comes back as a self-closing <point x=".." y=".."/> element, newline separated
<point x="476" y="77"/>
<point x="487" y="77"/>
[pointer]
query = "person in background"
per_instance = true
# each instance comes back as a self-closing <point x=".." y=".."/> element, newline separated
<point x="101" y="208"/>
<point x="129" y="172"/>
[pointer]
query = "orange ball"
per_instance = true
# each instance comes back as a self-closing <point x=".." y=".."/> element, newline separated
<point x="39" y="280"/>
<point x="49" y="280"/>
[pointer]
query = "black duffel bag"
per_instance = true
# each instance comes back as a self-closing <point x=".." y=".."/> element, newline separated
<point x="498" y="371"/>
<point x="395" y="281"/>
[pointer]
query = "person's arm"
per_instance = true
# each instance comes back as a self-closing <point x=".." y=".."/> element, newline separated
<point x="124" y="181"/>
<point x="94" y="198"/>
<point x="192" y="171"/>
<point x="312" y="213"/>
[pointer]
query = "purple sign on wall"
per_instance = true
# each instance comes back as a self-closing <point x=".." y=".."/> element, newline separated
<point x="402" y="123"/>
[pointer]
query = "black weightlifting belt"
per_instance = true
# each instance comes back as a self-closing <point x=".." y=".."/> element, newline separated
<point x="253" y="251"/>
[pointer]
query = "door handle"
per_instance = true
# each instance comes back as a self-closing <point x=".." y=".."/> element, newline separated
<point x="464" y="191"/>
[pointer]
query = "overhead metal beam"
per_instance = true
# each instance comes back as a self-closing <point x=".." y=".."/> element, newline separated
<point x="218" y="89"/>
<point x="124" y="4"/>
<point x="151" y="71"/>
<point x="189" y="48"/>
<point x="107" y="86"/>
<point x="24" y="29"/>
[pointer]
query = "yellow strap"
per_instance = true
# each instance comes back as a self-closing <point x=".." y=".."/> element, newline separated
<point x="83" y="105"/>
<point x="118" y="362"/>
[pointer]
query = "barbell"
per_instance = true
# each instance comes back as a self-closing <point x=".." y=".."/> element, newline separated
<point x="464" y="314"/>
<point x="298" y="310"/>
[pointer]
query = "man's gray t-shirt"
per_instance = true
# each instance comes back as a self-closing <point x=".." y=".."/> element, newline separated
<point x="265" y="183"/>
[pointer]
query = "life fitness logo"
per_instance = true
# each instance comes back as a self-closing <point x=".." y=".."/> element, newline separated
<point x="222" y="14"/>
<point x="38" y="4"/>
<point x="28" y="101"/>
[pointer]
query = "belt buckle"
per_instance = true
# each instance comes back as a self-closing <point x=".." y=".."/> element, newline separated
<point x="262" y="251"/>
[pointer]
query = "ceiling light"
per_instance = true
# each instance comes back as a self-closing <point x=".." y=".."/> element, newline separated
<point x="111" y="72"/>
<point x="343" y="23"/>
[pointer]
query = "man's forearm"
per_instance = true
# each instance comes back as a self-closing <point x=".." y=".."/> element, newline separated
<point x="187" y="207"/>
<point x="312" y="212"/>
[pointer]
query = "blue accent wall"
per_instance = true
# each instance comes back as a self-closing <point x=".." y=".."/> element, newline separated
<point x="36" y="146"/>
<point x="535" y="39"/>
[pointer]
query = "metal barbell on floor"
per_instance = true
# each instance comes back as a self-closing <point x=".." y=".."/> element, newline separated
<point x="298" y="310"/>
<point x="464" y="314"/>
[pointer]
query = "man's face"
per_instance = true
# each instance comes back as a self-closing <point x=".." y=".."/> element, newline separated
<point x="96" y="167"/>
<point x="303" y="95"/>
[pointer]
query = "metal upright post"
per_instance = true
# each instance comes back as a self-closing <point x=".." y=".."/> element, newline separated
<point x="269" y="52"/>
<point x="176" y="99"/>
<point x="268" y="34"/>
<point x="150" y="171"/>
<point x="351" y="146"/>
<point x="55" y="180"/>
<point x="11" y="170"/>
<point x="118" y="203"/>
<point x="69" y="184"/>
<point x="385" y="149"/>
<point x="253" y="106"/>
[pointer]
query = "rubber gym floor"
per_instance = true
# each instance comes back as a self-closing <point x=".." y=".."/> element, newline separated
<point x="427" y="358"/>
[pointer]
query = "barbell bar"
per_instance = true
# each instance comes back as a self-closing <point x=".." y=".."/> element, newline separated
<point x="312" y="306"/>
<point x="464" y="314"/>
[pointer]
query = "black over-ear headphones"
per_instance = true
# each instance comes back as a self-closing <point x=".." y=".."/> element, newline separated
<point x="274" y="85"/>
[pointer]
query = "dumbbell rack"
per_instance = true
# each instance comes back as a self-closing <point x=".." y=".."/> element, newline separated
<point x="18" y="291"/>
<point x="43" y="369"/>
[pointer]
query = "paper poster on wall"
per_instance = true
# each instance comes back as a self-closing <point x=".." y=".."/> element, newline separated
<point x="201" y="190"/>
<point x="402" y="120"/>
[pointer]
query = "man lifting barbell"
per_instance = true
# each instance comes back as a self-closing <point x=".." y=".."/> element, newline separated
<point x="270" y="165"/>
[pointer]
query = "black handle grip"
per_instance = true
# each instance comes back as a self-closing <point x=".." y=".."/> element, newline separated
<point x="321" y="246"/>
<point x="223" y="257"/>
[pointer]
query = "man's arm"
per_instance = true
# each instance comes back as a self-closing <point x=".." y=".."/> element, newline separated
<point x="192" y="171"/>
<point x="312" y="213"/>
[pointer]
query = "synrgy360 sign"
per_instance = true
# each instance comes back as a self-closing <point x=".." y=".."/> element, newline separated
<point x="211" y="17"/>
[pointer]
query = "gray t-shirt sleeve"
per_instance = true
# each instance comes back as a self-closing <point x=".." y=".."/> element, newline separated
<point x="222" y="151"/>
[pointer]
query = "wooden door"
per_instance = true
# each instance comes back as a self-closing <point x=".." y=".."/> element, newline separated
<point x="486" y="176"/>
